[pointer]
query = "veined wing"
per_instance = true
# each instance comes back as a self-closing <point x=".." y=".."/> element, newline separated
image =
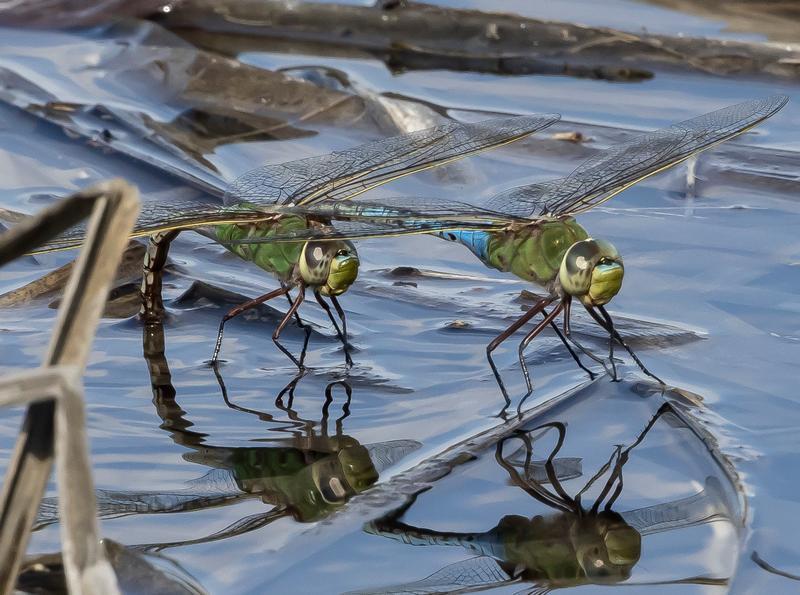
<point x="336" y="176"/>
<point x="386" y="217"/>
<point x="471" y="575"/>
<point x="710" y="504"/>
<point x="348" y="173"/>
<point x="601" y="177"/>
<point x="155" y="218"/>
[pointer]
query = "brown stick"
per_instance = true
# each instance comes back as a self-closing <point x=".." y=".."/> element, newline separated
<point x="116" y="206"/>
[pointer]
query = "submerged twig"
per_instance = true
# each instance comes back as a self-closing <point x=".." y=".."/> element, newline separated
<point x="415" y="35"/>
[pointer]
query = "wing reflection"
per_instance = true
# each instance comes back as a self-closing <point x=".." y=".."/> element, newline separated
<point x="304" y="471"/>
<point x="581" y="541"/>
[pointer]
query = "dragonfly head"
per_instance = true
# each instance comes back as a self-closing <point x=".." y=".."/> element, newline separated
<point x="330" y="265"/>
<point x="606" y="547"/>
<point x="591" y="271"/>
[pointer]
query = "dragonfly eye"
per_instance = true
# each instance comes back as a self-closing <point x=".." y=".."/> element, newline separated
<point x="341" y="268"/>
<point x="591" y="271"/>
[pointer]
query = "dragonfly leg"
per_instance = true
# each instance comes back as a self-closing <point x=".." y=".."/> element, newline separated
<point x="600" y="472"/>
<point x="238" y="310"/>
<point x="566" y="344"/>
<point x="614" y="377"/>
<point x="298" y="320"/>
<point x="528" y="483"/>
<point x="534" y="310"/>
<point x="289" y="390"/>
<point x="277" y="334"/>
<point x="622" y="459"/>
<point x="340" y="332"/>
<point x="348" y="391"/>
<point x="574" y="341"/>
<point x="343" y="318"/>
<point x="548" y="318"/>
<point x="155" y="258"/>
<point x="608" y="323"/>
<point x="301" y="324"/>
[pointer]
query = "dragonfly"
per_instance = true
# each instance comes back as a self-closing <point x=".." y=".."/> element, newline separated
<point x="306" y="469"/>
<point x="302" y="197"/>
<point x="572" y="544"/>
<point x="530" y="231"/>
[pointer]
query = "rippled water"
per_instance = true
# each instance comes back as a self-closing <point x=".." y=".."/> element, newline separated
<point x="241" y="478"/>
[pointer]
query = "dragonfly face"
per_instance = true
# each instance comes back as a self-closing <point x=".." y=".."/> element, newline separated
<point x="330" y="266"/>
<point x="592" y="272"/>
<point x="606" y="547"/>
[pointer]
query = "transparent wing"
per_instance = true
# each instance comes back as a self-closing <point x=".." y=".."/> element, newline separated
<point x="361" y="230"/>
<point x="156" y="218"/>
<point x="601" y="177"/>
<point x="336" y="176"/>
<point x="387" y="217"/>
<point x="455" y="578"/>
<point x="348" y="173"/>
<point x="708" y="505"/>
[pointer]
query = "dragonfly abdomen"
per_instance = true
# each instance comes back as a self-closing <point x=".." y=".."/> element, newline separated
<point x="476" y="241"/>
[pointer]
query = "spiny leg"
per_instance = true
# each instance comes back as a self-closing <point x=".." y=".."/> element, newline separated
<point x="348" y="390"/>
<point x="343" y="318"/>
<point x="623" y="458"/>
<point x="532" y="487"/>
<point x="289" y="389"/>
<point x="550" y="469"/>
<point x="301" y="294"/>
<point x="600" y="472"/>
<point x="300" y="323"/>
<point x="574" y="355"/>
<point x="340" y="332"/>
<point x="535" y="309"/>
<point x="240" y="309"/>
<point x="306" y="327"/>
<point x="155" y="258"/>
<point x="530" y="337"/>
<point x="608" y="324"/>
<point x="568" y="333"/>
<point x="614" y="377"/>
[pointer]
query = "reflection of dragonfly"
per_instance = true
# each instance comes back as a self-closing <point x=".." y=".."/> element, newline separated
<point x="576" y="545"/>
<point x="301" y="197"/>
<point x="530" y="230"/>
<point x="305" y="473"/>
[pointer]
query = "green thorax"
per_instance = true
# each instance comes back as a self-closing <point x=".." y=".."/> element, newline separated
<point x="278" y="258"/>
<point x="534" y="252"/>
<point x="541" y="545"/>
<point x="311" y="483"/>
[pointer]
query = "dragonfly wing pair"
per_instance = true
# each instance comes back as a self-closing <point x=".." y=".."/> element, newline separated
<point x="280" y="189"/>
<point x="595" y="181"/>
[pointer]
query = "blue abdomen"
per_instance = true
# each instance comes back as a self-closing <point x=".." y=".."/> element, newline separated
<point x="477" y="241"/>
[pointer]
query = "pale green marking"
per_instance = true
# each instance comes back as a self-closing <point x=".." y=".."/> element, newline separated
<point x="278" y="258"/>
<point x="534" y="252"/>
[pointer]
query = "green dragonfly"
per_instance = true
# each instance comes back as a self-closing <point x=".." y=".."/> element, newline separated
<point x="303" y="197"/>
<point x="571" y="544"/>
<point x="531" y="231"/>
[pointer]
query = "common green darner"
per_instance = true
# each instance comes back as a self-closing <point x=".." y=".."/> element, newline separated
<point x="302" y="197"/>
<point x="301" y="471"/>
<point x="572" y="544"/>
<point x="305" y="469"/>
<point x="530" y="230"/>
